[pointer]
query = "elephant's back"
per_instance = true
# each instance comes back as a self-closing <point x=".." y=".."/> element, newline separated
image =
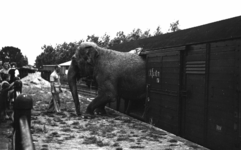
<point x="126" y="69"/>
<point x="120" y="62"/>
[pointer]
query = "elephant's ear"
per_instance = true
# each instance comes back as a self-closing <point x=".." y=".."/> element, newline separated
<point x="92" y="54"/>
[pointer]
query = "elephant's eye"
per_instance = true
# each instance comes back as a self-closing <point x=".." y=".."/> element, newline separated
<point x="73" y="57"/>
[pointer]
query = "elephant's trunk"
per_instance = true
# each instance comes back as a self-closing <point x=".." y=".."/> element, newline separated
<point x="72" y="79"/>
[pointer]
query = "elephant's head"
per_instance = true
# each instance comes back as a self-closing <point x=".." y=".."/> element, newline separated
<point x="83" y="63"/>
<point x="84" y="59"/>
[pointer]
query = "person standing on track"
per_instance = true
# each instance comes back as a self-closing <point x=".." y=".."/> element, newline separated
<point x="54" y="105"/>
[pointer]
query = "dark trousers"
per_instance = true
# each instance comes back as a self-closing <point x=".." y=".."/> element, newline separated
<point x="54" y="105"/>
<point x="2" y="107"/>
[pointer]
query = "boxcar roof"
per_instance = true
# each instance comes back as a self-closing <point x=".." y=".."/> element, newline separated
<point x="216" y="31"/>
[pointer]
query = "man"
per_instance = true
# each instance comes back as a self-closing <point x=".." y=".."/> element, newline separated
<point x="14" y="76"/>
<point x="54" y="105"/>
<point x="14" y="73"/>
<point x="5" y="69"/>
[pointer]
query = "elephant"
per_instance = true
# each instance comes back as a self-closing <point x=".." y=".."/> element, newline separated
<point x="118" y="75"/>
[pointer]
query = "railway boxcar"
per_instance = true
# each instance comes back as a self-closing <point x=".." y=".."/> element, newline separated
<point x="194" y="83"/>
<point x="25" y="71"/>
<point x="45" y="74"/>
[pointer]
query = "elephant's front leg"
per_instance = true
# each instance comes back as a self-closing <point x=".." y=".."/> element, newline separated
<point x="106" y="93"/>
<point x="100" y="101"/>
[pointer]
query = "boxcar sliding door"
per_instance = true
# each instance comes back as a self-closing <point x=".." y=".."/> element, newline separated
<point x="193" y="94"/>
<point x="163" y="73"/>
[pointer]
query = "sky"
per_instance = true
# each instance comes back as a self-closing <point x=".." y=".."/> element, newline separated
<point x="30" y="24"/>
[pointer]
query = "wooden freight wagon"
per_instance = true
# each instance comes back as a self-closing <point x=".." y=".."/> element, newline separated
<point x="45" y="74"/>
<point x="24" y="71"/>
<point x="194" y="83"/>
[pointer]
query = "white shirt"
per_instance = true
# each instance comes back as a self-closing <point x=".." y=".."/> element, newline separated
<point x="16" y="72"/>
<point x="54" y="77"/>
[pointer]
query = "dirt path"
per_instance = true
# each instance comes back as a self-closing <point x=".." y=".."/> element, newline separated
<point x="66" y="131"/>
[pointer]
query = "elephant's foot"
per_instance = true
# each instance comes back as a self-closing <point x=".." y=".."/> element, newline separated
<point x="78" y="113"/>
<point x="100" y="112"/>
<point x="88" y="116"/>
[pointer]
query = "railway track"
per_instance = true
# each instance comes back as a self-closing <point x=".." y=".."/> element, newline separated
<point x="84" y="90"/>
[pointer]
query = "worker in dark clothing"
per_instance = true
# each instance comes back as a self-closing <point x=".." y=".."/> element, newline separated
<point x="5" y="103"/>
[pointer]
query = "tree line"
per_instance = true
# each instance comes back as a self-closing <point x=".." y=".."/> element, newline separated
<point x="63" y="52"/>
<point x="13" y="54"/>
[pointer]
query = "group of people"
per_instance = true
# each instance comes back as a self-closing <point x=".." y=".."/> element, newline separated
<point x="10" y="83"/>
<point x="9" y="76"/>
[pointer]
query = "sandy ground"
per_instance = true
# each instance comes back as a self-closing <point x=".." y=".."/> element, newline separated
<point x="66" y="131"/>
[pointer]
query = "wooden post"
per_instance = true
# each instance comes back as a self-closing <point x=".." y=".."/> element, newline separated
<point x="22" y="111"/>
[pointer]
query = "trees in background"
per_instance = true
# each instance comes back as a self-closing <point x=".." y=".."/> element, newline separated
<point x="56" y="55"/>
<point x="158" y="31"/>
<point x="174" y="26"/>
<point x="120" y="38"/>
<point x="14" y="54"/>
<point x="63" y="52"/>
<point x="46" y="57"/>
<point x="102" y="41"/>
